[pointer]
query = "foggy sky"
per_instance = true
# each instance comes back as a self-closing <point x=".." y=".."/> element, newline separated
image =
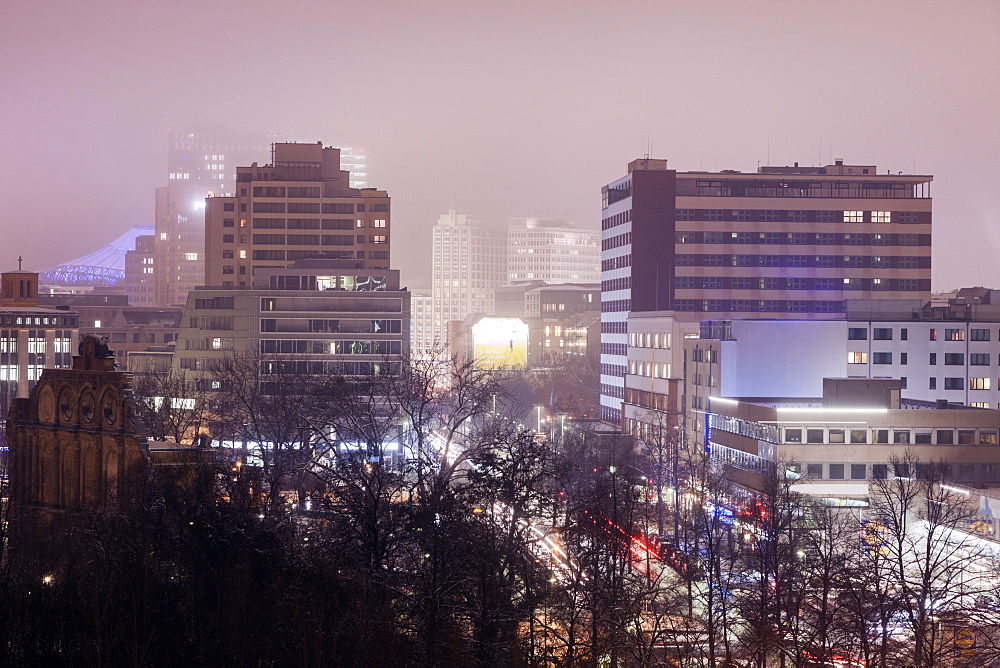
<point x="501" y="108"/>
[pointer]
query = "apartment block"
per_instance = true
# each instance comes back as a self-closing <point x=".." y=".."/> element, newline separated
<point x="784" y="242"/>
<point x="299" y="206"/>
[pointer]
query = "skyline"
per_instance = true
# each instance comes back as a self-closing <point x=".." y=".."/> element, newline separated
<point x="497" y="110"/>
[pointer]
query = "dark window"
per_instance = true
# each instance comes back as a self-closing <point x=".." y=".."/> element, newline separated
<point x="979" y="335"/>
<point x="229" y="206"/>
<point x="880" y="471"/>
<point x="882" y="334"/>
<point x="966" y="436"/>
<point x="793" y="435"/>
<point x="901" y="436"/>
<point x="859" y="436"/>
<point x="268" y="207"/>
<point x="881" y="358"/>
<point x="814" y="435"/>
<point x="932" y="384"/>
<point x="901" y="470"/>
<point x="902" y="358"/>
<point x="857" y="334"/>
<point x="954" y="383"/>
<point x="954" y="359"/>
<point x="836" y="471"/>
<point x="979" y="359"/>
<point x="814" y="470"/>
<point x="933" y="359"/>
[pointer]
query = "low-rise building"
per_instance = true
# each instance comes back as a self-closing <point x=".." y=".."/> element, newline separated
<point x="32" y="337"/>
<point x="859" y="430"/>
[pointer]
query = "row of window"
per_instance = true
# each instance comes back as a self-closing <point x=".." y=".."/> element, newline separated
<point x="961" y="472"/>
<point x="950" y="359"/>
<point x="946" y="334"/>
<point x="290" y="347"/>
<point x="775" y="283"/>
<point x="759" y="305"/>
<point x="310" y="207"/>
<point x="801" y="238"/>
<point x="803" y="216"/>
<point x="890" y="435"/>
<point x="56" y="321"/>
<point x="305" y="223"/>
<point x="649" y="339"/>
<point x="616" y="241"/>
<point x="860" y="261"/>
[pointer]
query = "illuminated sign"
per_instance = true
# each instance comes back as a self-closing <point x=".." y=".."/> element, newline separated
<point x="500" y="343"/>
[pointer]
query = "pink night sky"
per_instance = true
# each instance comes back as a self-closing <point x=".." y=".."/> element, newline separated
<point x="502" y="108"/>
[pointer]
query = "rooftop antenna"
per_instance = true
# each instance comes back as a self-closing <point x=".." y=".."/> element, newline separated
<point x="768" y="151"/>
<point x="649" y="146"/>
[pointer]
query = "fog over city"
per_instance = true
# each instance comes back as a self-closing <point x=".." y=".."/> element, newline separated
<point x="503" y="108"/>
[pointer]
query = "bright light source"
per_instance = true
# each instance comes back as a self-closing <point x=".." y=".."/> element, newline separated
<point x="48" y="579"/>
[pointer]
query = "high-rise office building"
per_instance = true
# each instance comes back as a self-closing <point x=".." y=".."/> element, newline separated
<point x="299" y="206"/>
<point x="469" y="262"/>
<point x="552" y="251"/>
<point x="784" y="242"/>
<point x="201" y="162"/>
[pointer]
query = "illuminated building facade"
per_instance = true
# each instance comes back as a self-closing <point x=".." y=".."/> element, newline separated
<point x="300" y="205"/>
<point x="785" y="242"/>
<point x="854" y="433"/>
<point x="32" y="337"/>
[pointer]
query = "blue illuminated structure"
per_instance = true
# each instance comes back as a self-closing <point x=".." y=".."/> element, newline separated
<point x="105" y="266"/>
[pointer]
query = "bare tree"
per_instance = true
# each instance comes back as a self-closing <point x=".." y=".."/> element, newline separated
<point x="173" y="406"/>
<point x="938" y="569"/>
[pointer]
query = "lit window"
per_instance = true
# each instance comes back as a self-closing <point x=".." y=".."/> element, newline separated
<point x="979" y="383"/>
<point x="243" y="255"/>
<point x="854" y="216"/>
<point x="857" y="358"/>
<point x="191" y="256"/>
<point x="881" y="216"/>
